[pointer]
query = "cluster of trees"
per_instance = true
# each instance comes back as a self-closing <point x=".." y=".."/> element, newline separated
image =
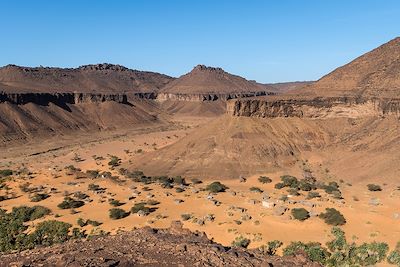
<point x="308" y="185"/>
<point x="13" y="229"/>
<point x="337" y="252"/>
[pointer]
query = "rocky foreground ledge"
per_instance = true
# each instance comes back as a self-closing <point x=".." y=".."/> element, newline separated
<point x="148" y="247"/>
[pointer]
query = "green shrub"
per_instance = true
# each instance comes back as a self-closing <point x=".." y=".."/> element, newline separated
<point x="374" y="187"/>
<point x="94" y="187"/>
<point x="152" y="202"/>
<point x="92" y="173"/>
<point x="141" y="206"/>
<point x="70" y="203"/>
<point x="81" y="222"/>
<point x="279" y="185"/>
<point x="196" y="181"/>
<point x="369" y="254"/>
<point x="273" y="246"/>
<point x="115" y="203"/>
<point x="394" y="257"/>
<point x="186" y="216"/>
<point x="314" y="251"/>
<point x="117" y="213"/>
<point x="26" y="214"/>
<point x="289" y="181"/>
<point x="93" y="223"/>
<point x="179" y="180"/>
<point x="5" y="173"/>
<point x="216" y="187"/>
<point x="293" y="192"/>
<point x="305" y="186"/>
<point x="50" y="232"/>
<point x="331" y="187"/>
<point x="39" y="197"/>
<point x="241" y="241"/>
<point x="300" y="214"/>
<point x="255" y="189"/>
<point x="179" y="190"/>
<point x="114" y="161"/>
<point x="312" y="194"/>
<point x="264" y="180"/>
<point x="333" y="217"/>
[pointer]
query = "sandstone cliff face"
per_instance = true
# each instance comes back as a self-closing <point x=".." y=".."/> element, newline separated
<point x="313" y="108"/>
<point x="208" y="96"/>
<point x="61" y="98"/>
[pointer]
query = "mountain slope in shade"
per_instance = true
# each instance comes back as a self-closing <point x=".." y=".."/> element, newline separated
<point x="89" y="78"/>
<point x="374" y="74"/>
<point x="203" y="79"/>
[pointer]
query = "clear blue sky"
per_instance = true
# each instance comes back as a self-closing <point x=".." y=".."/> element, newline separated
<point x="269" y="41"/>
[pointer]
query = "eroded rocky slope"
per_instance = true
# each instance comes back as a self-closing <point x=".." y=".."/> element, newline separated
<point x="149" y="247"/>
<point x="98" y="78"/>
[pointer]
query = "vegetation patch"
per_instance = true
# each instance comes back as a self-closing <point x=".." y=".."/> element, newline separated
<point x="117" y="213"/>
<point x="300" y="214"/>
<point x="374" y="187"/>
<point x="70" y="203"/>
<point x="333" y="217"/>
<point x="264" y="180"/>
<point x="216" y="187"/>
<point x="241" y="241"/>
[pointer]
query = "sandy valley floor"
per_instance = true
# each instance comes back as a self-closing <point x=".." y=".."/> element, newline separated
<point x="223" y="216"/>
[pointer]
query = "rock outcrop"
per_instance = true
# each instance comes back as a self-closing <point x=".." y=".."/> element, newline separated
<point x="98" y="78"/>
<point x="61" y="98"/>
<point x="313" y="107"/>
<point x="149" y="247"/>
<point x="214" y="81"/>
<point x="208" y="96"/>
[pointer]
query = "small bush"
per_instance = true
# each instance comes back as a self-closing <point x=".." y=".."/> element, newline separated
<point x="314" y="251"/>
<point x="273" y="246"/>
<point x="50" y="232"/>
<point x="152" y="202"/>
<point x="196" y="181"/>
<point x="5" y="173"/>
<point x="70" y="203"/>
<point x="306" y="186"/>
<point x="216" y="187"/>
<point x="117" y="213"/>
<point x="394" y="257"/>
<point x="114" y="161"/>
<point x="256" y="189"/>
<point x="141" y="206"/>
<point x="39" y="197"/>
<point x="179" y="180"/>
<point x="289" y="181"/>
<point x="312" y="195"/>
<point x="115" y="203"/>
<point x="241" y="241"/>
<point x="279" y="185"/>
<point x="369" y="254"/>
<point x="186" y="216"/>
<point x="93" y="223"/>
<point x="333" y="217"/>
<point x="293" y="192"/>
<point x="264" y="180"/>
<point x="300" y="214"/>
<point x="374" y="187"/>
<point x="81" y="222"/>
<point x="92" y="173"/>
<point x="26" y="214"/>
<point x="179" y="190"/>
